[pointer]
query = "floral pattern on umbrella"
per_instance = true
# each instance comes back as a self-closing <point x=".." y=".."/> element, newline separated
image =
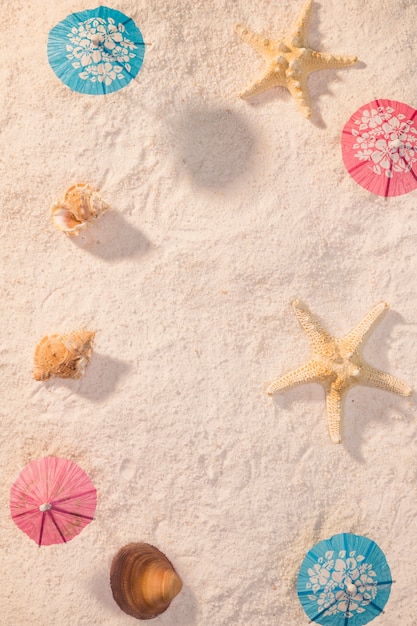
<point x="344" y="580"/>
<point x="52" y="500"/>
<point x="379" y="147"/>
<point x="96" y="51"/>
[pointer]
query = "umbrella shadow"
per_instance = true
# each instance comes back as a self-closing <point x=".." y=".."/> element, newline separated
<point x="111" y="238"/>
<point x="100" y="380"/>
<point x="215" y="145"/>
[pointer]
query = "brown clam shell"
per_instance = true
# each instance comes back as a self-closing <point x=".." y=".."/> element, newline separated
<point x="63" y="356"/>
<point x="143" y="580"/>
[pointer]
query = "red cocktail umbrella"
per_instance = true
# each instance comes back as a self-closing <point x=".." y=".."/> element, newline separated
<point x="379" y="147"/>
<point x="52" y="500"/>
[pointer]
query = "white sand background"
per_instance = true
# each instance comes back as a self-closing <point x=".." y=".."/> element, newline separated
<point x="222" y="213"/>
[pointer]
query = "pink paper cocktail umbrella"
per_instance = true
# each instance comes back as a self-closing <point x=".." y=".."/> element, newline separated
<point x="379" y="147"/>
<point x="52" y="500"/>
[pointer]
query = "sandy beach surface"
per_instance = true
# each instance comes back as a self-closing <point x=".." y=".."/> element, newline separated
<point x="222" y="212"/>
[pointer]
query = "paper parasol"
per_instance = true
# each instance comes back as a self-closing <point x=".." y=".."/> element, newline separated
<point x="96" y="51"/>
<point x="52" y="500"/>
<point x="344" y="581"/>
<point x="379" y="147"/>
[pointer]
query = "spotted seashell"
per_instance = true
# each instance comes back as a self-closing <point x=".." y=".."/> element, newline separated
<point x="81" y="205"/>
<point x="143" y="580"/>
<point x="64" y="356"/>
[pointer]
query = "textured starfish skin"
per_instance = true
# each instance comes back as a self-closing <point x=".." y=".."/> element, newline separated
<point x="337" y="364"/>
<point x="290" y="61"/>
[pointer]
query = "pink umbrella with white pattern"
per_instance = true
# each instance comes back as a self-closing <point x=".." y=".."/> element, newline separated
<point x="52" y="500"/>
<point x="379" y="147"/>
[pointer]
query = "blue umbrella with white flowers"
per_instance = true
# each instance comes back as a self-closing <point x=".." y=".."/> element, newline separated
<point x="97" y="51"/>
<point x="344" y="581"/>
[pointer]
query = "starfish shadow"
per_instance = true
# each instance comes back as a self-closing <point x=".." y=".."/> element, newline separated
<point x="319" y="85"/>
<point x="271" y="95"/>
<point x="353" y="417"/>
<point x="377" y="345"/>
<point x="313" y="41"/>
<point x="319" y="82"/>
<point x="111" y="238"/>
<point x="306" y="393"/>
<point x="359" y="420"/>
<point x="357" y="401"/>
<point x="283" y="94"/>
<point x="214" y="144"/>
<point x="311" y="392"/>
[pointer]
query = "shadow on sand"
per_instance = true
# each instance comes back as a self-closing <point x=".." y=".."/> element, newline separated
<point x="214" y="144"/>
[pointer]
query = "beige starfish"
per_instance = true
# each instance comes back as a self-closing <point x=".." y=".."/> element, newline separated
<point x="290" y="61"/>
<point x="337" y="364"/>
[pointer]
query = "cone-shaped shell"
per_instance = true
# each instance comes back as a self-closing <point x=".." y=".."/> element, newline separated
<point x="143" y="580"/>
<point x="81" y="205"/>
<point x="64" y="356"/>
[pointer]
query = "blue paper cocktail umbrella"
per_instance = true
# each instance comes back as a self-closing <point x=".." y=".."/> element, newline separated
<point x="96" y="51"/>
<point x="344" y="581"/>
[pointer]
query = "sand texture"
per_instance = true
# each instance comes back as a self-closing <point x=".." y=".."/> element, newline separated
<point x="222" y="212"/>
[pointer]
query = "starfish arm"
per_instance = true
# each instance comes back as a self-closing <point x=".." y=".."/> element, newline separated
<point x="260" y="44"/>
<point x="272" y="78"/>
<point x="299" y="35"/>
<point x="306" y="373"/>
<point x="321" y="61"/>
<point x="375" y="378"/>
<point x="314" y="331"/>
<point x="356" y="336"/>
<point x="297" y="86"/>
<point x="334" y="401"/>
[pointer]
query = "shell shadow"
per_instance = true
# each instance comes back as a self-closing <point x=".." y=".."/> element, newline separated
<point x="183" y="609"/>
<point x="100" y="588"/>
<point x="215" y="145"/>
<point x="111" y="238"/>
<point x="100" y="380"/>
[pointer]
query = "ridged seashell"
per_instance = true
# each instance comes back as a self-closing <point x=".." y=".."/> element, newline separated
<point x="143" y="580"/>
<point x="81" y="205"/>
<point x="64" y="356"/>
